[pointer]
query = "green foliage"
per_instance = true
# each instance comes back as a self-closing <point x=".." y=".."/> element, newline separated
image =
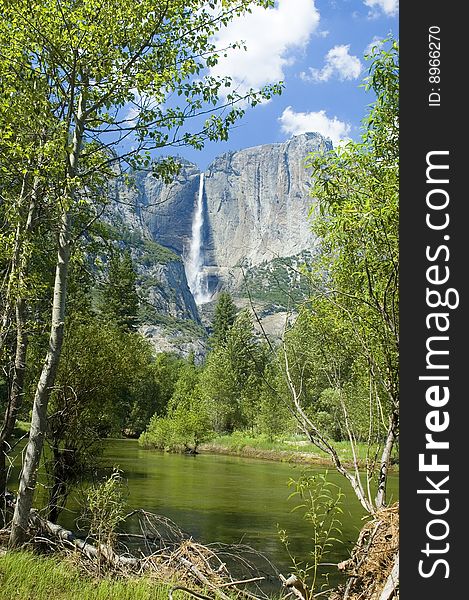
<point x="341" y="354"/>
<point x="154" y="253"/>
<point x="119" y="297"/>
<point x="355" y="308"/>
<point x="186" y="424"/>
<point x="148" y="252"/>
<point x="158" y="434"/>
<point x="121" y="57"/>
<point x="105" y="508"/>
<point x="151" y="391"/>
<point x="223" y="319"/>
<point x="327" y="413"/>
<point x="186" y="328"/>
<point x="280" y="282"/>
<point x="323" y="363"/>
<point x="357" y="190"/>
<point x="320" y="506"/>
<point x="273" y="416"/>
<point x="98" y="384"/>
<point x="233" y="376"/>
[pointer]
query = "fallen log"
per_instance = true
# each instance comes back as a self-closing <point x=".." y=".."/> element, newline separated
<point x="183" y="558"/>
<point x="93" y="552"/>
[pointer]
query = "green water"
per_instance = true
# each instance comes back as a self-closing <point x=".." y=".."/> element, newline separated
<point x="229" y="499"/>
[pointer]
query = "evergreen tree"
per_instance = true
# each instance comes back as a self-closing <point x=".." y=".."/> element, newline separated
<point x="233" y="375"/>
<point x="224" y="317"/>
<point x="120" y="299"/>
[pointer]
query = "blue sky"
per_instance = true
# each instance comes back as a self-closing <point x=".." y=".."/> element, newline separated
<point x="316" y="47"/>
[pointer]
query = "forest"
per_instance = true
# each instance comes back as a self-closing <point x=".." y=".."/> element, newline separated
<point x="76" y="370"/>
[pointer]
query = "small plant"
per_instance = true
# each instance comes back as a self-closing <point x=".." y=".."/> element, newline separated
<point x="105" y="508"/>
<point x="320" y="503"/>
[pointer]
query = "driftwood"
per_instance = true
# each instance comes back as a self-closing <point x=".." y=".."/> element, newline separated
<point x="171" y="553"/>
<point x="101" y="551"/>
<point x="296" y="587"/>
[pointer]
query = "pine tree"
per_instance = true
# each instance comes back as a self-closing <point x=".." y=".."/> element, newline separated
<point x="233" y="376"/>
<point x="224" y="317"/>
<point x="120" y="300"/>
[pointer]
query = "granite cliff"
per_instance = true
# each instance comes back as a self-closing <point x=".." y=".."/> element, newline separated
<point x="253" y="226"/>
<point x="258" y="204"/>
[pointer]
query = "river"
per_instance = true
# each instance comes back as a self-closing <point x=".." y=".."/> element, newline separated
<point x="230" y="499"/>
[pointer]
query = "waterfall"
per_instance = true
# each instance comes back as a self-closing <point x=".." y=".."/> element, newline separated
<point x="196" y="277"/>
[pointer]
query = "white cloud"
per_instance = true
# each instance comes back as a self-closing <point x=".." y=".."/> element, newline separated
<point x="271" y="36"/>
<point x="294" y="123"/>
<point x="132" y="116"/>
<point x="388" y="7"/>
<point x="376" y="42"/>
<point x="338" y="62"/>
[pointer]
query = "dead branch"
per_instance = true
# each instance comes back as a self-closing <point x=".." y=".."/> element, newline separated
<point x="296" y="586"/>
<point x="185" y="589"/>
<point x="173" y="555"/>
<point x="69" y="538"/>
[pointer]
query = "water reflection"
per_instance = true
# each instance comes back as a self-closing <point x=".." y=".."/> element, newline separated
<point x="228" y="499"/>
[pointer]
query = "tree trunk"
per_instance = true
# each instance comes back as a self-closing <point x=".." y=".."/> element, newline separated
<point x="3" y="479"/>
<point x="15" y="260"/>
<point x="16" y="395"/>
<point x="17" y="390"/>
<point x="320" y="441"/>
<point x="27" y="484"/>
<point x="41" y="398"/>
<point x="380" y="499"/>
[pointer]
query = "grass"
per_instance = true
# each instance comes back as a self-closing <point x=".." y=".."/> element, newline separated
<point x="26" y="576"/>
<point x="287" y="448"/>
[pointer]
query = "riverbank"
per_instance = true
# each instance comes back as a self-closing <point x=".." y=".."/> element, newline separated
<point x="293" y="450"/>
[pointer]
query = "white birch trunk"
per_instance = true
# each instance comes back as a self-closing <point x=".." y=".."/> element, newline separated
<point x="46" y="381"/>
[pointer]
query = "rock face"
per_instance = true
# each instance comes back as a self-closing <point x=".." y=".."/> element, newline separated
<point x="164" y="288"/>
<point x="153" y="220"/>
<point x="255" y="214"/>
<point x="162" y="213"/>
<point x="258" y="204"/>
<point x="167" y="209"/>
